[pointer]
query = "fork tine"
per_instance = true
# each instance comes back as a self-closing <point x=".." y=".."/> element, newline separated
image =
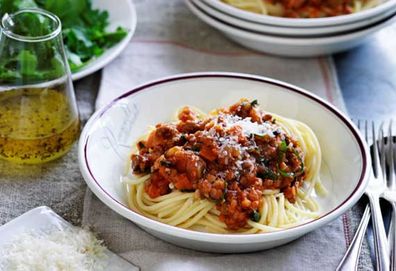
<point x="376" y="160"/>
<point x="391" y="177"/>
<point x="375" y="187"/>
<point x="382" y="149"/>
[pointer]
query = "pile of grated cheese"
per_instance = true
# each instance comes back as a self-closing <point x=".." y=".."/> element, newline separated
<point x="249" y="127"/>
<point x="71" y="249"/>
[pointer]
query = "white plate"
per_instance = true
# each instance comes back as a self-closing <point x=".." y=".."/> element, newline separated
<point x="290" y="46"/>
<point x="290" y="31"/>
<point x="293" y="22"/>
<point x="104" y="148"/>
<point x="43" y="219"/>
<point x="121" y="14"/>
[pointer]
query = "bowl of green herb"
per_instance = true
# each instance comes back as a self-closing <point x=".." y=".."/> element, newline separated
<point x="94" y="31"/>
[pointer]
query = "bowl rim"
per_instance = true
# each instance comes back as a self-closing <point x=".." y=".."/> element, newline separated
<point x="229" y="29"/>
<point x="301" y="22"/>
<point x="289" y="32"/>
<point x="141" y="220"/>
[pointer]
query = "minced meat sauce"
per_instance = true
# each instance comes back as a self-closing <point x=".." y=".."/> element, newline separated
<point x="229" y="158"/>
<point x="315" y="8"/>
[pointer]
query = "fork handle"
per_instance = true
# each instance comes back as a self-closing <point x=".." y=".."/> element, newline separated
<point x="392" y="238"/>
<point x="380" y="241"/>
<point x="350" y="260"/>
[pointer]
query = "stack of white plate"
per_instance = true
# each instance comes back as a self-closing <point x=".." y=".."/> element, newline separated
<point x="290" y="36"/>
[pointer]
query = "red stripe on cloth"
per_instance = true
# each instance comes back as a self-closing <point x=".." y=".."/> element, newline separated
<point x="200" y="50"/>
<point x="347" y="233"/>
<point x="324" y="68"/>
<point x="329" y="87"/>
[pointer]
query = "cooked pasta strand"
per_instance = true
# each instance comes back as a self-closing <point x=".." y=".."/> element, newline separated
<point x="188" y="210"/>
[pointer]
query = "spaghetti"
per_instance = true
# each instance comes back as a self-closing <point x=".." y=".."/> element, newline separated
<point x="303" y="8"/>
<point x="237" y="170"/>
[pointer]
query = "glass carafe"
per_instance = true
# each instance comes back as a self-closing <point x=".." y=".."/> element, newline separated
<point x="38" y="113"/>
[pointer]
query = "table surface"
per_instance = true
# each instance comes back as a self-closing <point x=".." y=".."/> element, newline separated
<point x="367" y="77"/>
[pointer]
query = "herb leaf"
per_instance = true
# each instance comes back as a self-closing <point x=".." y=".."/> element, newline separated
<point x="254" y="103"/>
<point x="166" y="163"/>
<point x="283" y="146"/>
<point x="268" y="174"/>
<point x="27" y="62"/>
<point x="84" y="35"/>
<point x="255" y="216"/>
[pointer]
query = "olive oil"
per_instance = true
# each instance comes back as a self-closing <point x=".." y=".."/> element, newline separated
<point x="36" y="124"/>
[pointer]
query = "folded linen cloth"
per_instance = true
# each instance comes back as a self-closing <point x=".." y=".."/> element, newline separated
<point x="170" y="40"/>
<point x="57" y="184"/>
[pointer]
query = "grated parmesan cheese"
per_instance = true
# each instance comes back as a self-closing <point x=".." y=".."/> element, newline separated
<point x="249" y="127"/>
<point x="71" y="249"/>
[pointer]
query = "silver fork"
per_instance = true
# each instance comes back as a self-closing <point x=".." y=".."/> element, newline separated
<point x="374" y="190"/>
<point x="390" y="192"/>
<point x="350" y="260"/>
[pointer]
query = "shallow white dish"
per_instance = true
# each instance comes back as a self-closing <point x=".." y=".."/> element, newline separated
<point x="290" y="31"/>
<point x="122" y="14"/>
<point x="293" y="22"/>
<point x="44" y="219"/>
<point x="290" y="46"/>
<point x="104" y="148"/>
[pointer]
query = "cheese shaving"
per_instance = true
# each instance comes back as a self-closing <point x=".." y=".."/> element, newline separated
<point x="249" y="127"/>
<point x="71" y="249"/>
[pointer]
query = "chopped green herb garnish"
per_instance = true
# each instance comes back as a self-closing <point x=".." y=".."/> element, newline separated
<point x="166" y="163"/>
<point x="223" y="196"/>
<point x="141" y="145"/>
<point x="255" y="216"/>
<point x="254" y="103"/>
<point x="281" y="155"/>
<point x="302" y="163"/>
<point x="285" y="174"/>
<point x="283" y="146"/>
<point x="268" y="174"/>
<point x="196" y="148"/>
<point x="264" y="161"/>
<point x="183" y="139"/>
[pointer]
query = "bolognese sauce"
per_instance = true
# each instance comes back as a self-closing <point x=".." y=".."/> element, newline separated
<point x="315" y="8"/>
<point x="302" y="8"/>
<point x="231" y="158"/>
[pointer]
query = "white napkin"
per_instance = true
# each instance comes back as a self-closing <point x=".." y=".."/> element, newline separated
<point x="170" y="40"/>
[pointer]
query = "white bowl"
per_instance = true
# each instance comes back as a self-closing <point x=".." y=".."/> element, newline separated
<point x="290" y="31"/>
<point x="290" y="46"/>
<point x="104" y="148"/>
<point x="296" y="22"/>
